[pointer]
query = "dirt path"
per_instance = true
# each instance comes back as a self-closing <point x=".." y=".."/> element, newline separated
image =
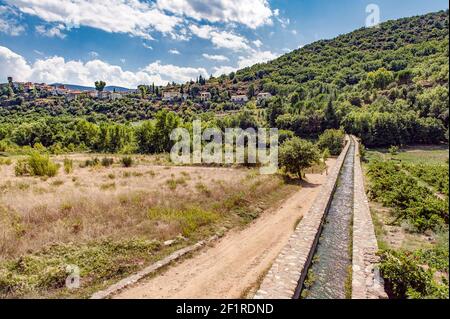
<point x="234" y="265"/>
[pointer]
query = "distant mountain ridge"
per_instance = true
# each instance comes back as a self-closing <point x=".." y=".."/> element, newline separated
<point x="88" y="88"/>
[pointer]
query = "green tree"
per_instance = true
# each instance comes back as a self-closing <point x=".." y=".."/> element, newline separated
<point x="143" y="90"/>
<point x="381" y="78"/>
<point x="251" y="91"/>
<point x="296" y="154"/>
<point x="100" y="85"/>
<point x="333" y="140"/>
<point x="274" y="110"/>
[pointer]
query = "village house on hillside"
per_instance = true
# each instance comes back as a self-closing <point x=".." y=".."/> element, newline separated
<point x="171" y="95"/>
<point x="241" y="98"/>
<point x="73" y="95"/>
<point x="205" y="96"/>
<point x="263" y="96"/>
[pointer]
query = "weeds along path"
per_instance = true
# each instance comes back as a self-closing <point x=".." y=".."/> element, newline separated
<point x="233" y="266"/>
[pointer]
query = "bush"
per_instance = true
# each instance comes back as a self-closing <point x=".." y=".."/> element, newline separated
<point x="68" y="166"/>
<point x="3" y="146"/>
<point x="296" y="154"/>
<point x="22" y="168"/>
<point x="127" y="161"/>
<point x="36" y="165"/>
<point x="333" y="140"/>
<point x="393" y="150"/>
<point x="410" y="201"/>
<point x="410" y="275"/>
<point x="106" y="162"/>
<point x="5" y="161"/>
<point x="284" y="135"/>
<point x="91" y="162"/>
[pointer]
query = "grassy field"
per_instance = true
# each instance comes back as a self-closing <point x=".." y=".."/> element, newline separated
<point x="112" y="221"/>
<point x="425" y="154"/>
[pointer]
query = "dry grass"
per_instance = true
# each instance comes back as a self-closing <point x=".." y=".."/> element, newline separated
<point x="146" y="202"/>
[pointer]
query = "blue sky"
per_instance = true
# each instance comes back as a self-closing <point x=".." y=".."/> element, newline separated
<point x="127" y="42"/>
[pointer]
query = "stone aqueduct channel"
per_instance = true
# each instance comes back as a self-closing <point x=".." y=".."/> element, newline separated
<point x="335" y="237"/>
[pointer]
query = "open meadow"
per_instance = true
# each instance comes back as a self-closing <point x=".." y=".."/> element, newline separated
<point x="110" y="220"/>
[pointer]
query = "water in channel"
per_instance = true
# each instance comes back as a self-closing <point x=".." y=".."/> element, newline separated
<point x="332" y="259"/>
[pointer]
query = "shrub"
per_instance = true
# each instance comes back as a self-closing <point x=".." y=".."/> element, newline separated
<point x="393" y="150"/>
<point x="91" y="162"/>
<point x="410" y="200"/>
<point x="3" y="146"/>
<point x="106" y="162"/>
<point x="284" y="135"/>
<point x="5" y="161"/>
<point x="68" y="166"/>
<point x="333" y="140"/>
<point x="41" y="165"/>
<point x="325" y="154"/>
<point x="36" y="165"/>
<point x="410" y="275"/>
<point x="127" y="161"/>
<point x="22" y="168"/>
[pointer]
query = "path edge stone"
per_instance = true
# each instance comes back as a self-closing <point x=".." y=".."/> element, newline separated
<point x="133" y="279"/>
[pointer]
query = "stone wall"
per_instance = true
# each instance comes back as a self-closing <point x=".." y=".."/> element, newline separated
<point x="366" y="281"/>
<point x="286" y="276"/>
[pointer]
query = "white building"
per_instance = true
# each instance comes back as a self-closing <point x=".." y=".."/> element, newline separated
<point x="205" y="96"/>
<point x="115" y="96"/>
<point x="239" y="98"/>
<point x="263" y="96"/>
<point x="171" y="95"/>
<point x="104" y="95"/>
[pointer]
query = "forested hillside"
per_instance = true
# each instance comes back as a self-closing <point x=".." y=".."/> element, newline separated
<point x="387" y="85"/>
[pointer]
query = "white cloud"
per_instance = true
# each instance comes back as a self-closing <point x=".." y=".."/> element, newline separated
<point x="251" y="13"/>
<point x="215" y="57"/>
<point x="12" y="64"/>
<point x="294" y="32"/>
<point x="257" y="43"/>
<point x="123" y="61"/>
<point x="57" y="69"/>
<point x="203" y="31"/>
<point x="174" y="51"/>
<point x="284" y="22"/>
<point x="244" y="61"/>
<point x="218" y="71"/>
<point x="147" y="46"/>
<point x="9" y="23"/>
<point x="38" y="52"/>
<point x="220" y="39"/>
<point x="255" y="57"/>
<point x="134" y="17"/>
<point x="52" y="31"/>
<point x="174" y="73"/>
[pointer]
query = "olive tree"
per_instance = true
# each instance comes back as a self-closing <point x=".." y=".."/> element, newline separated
<point x="296" y="154"/>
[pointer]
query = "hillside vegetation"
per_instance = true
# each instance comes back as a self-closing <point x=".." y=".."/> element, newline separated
<point x="387" y="85"/>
